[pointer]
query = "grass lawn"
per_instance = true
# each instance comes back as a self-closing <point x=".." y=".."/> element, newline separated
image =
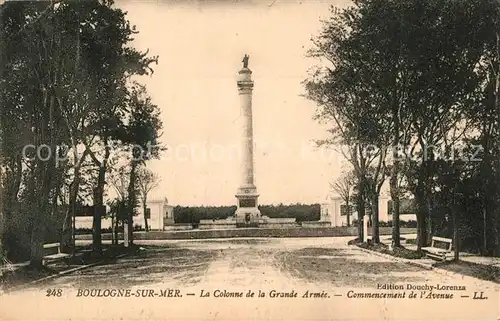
<point x="480" y="271"/>
<point x="25" y="274"/>
<point x="397" y="252"/>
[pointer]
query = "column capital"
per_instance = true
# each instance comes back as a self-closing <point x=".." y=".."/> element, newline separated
<point x="245" y="89"/>
<point x="244" y="83"/>
<point x="245" y="71"/>
<point x="245" y="75"/>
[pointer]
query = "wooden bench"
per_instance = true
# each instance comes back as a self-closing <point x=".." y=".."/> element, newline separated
<point x="52" y="252"/>
<point x="438" y="252"/>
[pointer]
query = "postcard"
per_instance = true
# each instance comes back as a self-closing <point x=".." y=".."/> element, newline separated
<point x="249" y="160"/>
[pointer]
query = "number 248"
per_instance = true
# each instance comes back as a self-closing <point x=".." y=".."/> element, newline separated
<point x="54" y="292"/>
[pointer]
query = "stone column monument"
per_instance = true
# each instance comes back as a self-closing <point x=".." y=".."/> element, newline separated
<point x="247" y="213"/>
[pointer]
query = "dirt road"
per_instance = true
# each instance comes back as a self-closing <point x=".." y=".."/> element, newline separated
<point x="254" y="279"/>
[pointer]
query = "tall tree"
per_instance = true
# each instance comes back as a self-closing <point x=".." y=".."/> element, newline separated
<point x="344" y="187"/>
<point x="119" y="181"/>
<point x="342" y="89"/>
<point x="33" y="65"/>
<point x="382" y="59"/>
<point x="147" y="180"/>
<point x="143" y="133"/>
<point x="65" y="72"/>
<point x="112" y="73"/>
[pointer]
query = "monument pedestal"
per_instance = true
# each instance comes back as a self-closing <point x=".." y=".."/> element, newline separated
<point x="247" y="212"/>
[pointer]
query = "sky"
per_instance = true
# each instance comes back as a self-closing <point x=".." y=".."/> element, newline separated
<point x="200" y="46"/>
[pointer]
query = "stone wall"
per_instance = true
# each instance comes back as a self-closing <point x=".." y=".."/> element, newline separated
<point x="319" y="224"/>
<point x="250" y="232"/>
<point x="210" y="226"/>
<point x="178" y="227"/>
<point x="217" y="224"/>
<point x="279" y="225"/>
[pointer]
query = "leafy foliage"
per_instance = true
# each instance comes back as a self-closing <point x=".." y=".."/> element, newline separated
<point x="422" y="75"/>
<point x="66" y="85"/>
<point x="302" y="212"/>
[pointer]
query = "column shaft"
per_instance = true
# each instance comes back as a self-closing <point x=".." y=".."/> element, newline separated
<point x="247" y="174"/>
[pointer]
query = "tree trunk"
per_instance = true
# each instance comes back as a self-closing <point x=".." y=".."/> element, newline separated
<point x="40" y="213"/>
<point x="55" y="195"/>
<point x="393" y="183"/>
<point x="360" y="225"/>
<point x="98" y="205"/>
<point x="2" y="258"/>
<point x="117" y="226"/>
<point x="44" y="171"/>
<point x="99" y="201"/>
<point x="39" y="220"/>
<point x="361" y="210"/>
<point x="37" y="236"/>
<point x="456" y="222"/>
<point x="495" y="221"/>
<point x="394" y="190"/>
<point x="144" y="208"/>
<point x="490" y="208"/>
<point x="1" y="216"/>
<point x="484" y="249"/>
<point x="455" y="233"/>
<point x="348" y="213"/>
<point x="96" y="223"/>
<point x="131" y="201"/>
<point x="114" y="241"/>
<point x="430" y="224"/>
<point x="396" y="236"/>
<point x="496" y="241"/>
<point x="492" y="211"/>
<point x="428" y="204"/>
<point x="485" y="175"/>
<point x="375" y="219"/>
<point x="421" y="220"/>
<point x="12" y="185"/>
<point x="66" y="240"/>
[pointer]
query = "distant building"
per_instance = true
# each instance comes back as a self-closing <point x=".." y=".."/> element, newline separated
<point x="159" y="215"/>
<point x="333" y="209"/>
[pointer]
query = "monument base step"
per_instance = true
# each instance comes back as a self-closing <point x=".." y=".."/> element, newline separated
<point x="247" y="225"/>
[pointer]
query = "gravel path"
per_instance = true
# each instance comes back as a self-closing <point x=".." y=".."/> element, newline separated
<point x="317" y="276"/>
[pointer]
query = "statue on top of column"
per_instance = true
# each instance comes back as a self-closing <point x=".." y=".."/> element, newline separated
<point x="245" y="61"/>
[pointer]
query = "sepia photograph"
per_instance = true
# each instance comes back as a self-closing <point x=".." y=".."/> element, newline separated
<point x="238" y="160"/>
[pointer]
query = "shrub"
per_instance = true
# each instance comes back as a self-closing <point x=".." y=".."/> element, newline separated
<point x="193" y="215"/>
<point x="384" y="224"/>
<point x="354" y="242"/>
<point x="404" y="253"/>
<point x="405" y="224"/>
<point x="81" y="231"/>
